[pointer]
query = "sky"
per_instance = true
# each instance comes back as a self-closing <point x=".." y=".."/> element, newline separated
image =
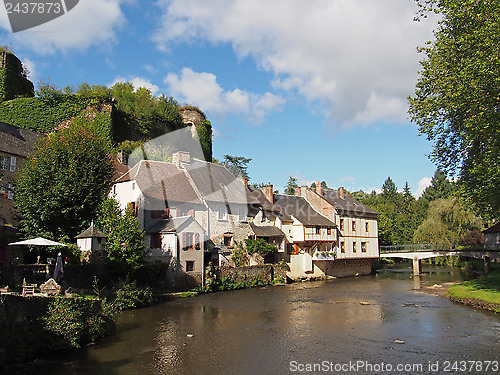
<point x="313" y="89"/>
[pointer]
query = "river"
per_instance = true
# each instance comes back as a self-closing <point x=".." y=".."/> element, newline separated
<point x="375" y="324"/>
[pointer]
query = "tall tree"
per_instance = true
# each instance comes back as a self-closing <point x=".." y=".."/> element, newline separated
<point x="389" y="190"/>
<point x="61" y="185"/>
<point x="237" y="165"/>
<point x="291" y="185"/>
<point x="457" y="98"/>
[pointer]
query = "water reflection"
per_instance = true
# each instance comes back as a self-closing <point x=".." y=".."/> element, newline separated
<point x="260" y="331"/>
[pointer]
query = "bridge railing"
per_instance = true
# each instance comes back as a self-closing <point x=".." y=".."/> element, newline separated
<point x="414" y="248"/>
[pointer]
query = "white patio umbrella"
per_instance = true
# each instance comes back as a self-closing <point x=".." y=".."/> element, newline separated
<point x="39" y="241"/>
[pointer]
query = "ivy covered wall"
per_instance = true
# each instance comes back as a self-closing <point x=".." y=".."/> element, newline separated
<point x="13" y="80"/>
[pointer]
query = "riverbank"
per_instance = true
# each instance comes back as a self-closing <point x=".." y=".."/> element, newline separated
<point x="483" y="292"/>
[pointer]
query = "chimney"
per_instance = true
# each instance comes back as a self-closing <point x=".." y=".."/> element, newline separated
<point x="319" y="188"/>
<point x="341" y="192"/>
<point x="297" y="191"/>
<point x="181" y="157"/>
<point x="269" y="193"/>
<point x="120" y="156"/>
<point x="244" y="181"/>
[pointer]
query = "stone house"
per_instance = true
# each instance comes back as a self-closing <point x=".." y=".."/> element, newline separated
<point x="160" y="194"/>
<point x="310" y="235"/>
<point x="492" y="237"/>
<point x="16" y="144"/>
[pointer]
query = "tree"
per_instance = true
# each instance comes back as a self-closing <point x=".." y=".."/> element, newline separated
<point x="439" y="188"/>
<point x="291" y="185"/>
<point x="457" y="97"/>
<point x="61" y="185"/>
<point x="124" y="245"/>
<point x="237" y="165"/>
<point x="449" y="220"/>
<point x="389" y="190"/>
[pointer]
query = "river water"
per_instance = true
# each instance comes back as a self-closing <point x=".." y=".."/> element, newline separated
<point x="375" y="324"/>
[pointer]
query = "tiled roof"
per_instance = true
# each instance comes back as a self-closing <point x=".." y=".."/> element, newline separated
<point x="262" y="201"/>
<point x="216" y="184"/>
<point x="348" y="205"/>
<point x="91" y="232"/>
<point x="494" y="229"/>
<point x="17" y="141"/>
<point x="170" y="225"/>
<point x="158" y="180"/>
<point x="266" y="231"/>
<point x="299" y="208"/>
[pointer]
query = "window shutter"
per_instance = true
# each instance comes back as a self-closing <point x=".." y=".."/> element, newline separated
<point x="13" y="163"/>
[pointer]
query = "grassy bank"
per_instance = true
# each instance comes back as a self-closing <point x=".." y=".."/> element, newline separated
<point x="483" y="293"/>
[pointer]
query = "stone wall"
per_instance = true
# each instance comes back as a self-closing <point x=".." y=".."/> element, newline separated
<point x="263" y="274"/>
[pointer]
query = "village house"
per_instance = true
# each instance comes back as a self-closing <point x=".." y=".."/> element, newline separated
<point x="16" y="144"/>
<point x="164" y="195"/>
<point x="357" y="246"/>
<point x="328" y="233"/>
<point x="492" y="237"/>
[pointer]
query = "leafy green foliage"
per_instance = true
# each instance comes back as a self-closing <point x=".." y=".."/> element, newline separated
<point x="129" y="296"/>
<point x="139" y="114"/>
<point x="259" y="246"/>
<point x="61" y="185"/>
<point x="76" y="322"/>
<point x="124" y="245"/>
<point x="237" y="165"/>
<point x="43" y="114"/>
<point x="205" y="136"/>
<point x="14" y="82"/>
<point x="448" y="221"/>
<point x="239" y="255"/>
<point x="457" y="96"/>
<point x="291" y="185"/>
<point x="401" y="213"/>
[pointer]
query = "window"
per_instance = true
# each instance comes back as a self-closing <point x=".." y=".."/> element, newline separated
<point x="10" y="191"/>
<point x="363" y="247"/>
<point x="5" y="163"/>
<point x="242" y="215"/>
<point x="341" y="224"/>
<point x="228" y="240"/>
<point x="13" y="163"/>
<point x="318" y="230"/>
<point x="155" y="241"/>
<point x="189" y="265"/>
<point x="329" y="231"/>
<point x="354" y="247"/>
<point x="221" y="213"/>
<point x="367" y="227"/>
<point x="354" y="225"/>
<point x="187" y="240"/>
<point x="132" y="208"/>
<point x="342" y="247"/>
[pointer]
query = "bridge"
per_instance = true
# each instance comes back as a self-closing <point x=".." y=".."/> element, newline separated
<point x="425" y="251"/>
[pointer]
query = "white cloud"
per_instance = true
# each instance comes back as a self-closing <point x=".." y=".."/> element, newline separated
<point x="138" y="82"/>
<point x="30" y="65"/>
<point x="90" y="23"/>
<point x="356" y="59"/>
<point x="202" y="89"/>
<point x="422" y="185"/>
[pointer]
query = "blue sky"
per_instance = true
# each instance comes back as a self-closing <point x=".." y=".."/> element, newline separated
<point x="312" y="89"/>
